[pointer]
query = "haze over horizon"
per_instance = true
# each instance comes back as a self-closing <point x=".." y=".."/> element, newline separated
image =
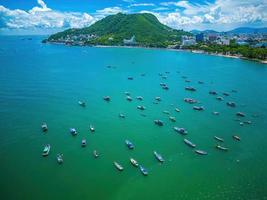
<point x="46" y="17"/>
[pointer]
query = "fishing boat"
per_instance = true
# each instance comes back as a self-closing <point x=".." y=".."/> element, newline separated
<point x="158" y="122"/>
<point x="127" y="93"/>
<point x="189" y="143"/>
<point x="231" y="104"/>
<point x="236" y="137"/>
<point x="219" y="98"/>
<point x="247" y="122"/>
<point x="44" y="127"/>
<point x="60" y="158"/>
<point x="201" y="152"/>
<point x="173" y="119"/>
<point x="165" y="87"/>
<point x="83" y="143"/>
<point x="218" y="138"/>
<point x="158" y="157"/>
<point x="106" y="98"/>
<point x="221" y="148"/>
<point x="177" y="109"/>
<point x="130" y="78"/>
<point x="140" y="98"/>
<point x="92" y="129"/>
<point x="212" y="92"/>
<point x="225" y="94"/>
<point x="141" y="107"/>
<point x="121" y="115"/>
<point x="166" y="112"/>
<point x="82" y="103"/>
<point x="46" y="150"/>
<point x="240" y="114"/>
<point x="199" y="108"/>
<point x="129" y="144"/>
<point x="118" y="166"/>
<point x="189" y="88"/>
<point x="215" y="113"/>
<point x="180" y="130"/>
<point x="73" y="131"/>
<point x="157" y="98"/>
<point x="134" y="162"/>
<point x="143" y="170"/>
<point x="189" y="100"/>
<point x="95" y="153"/>
<point x="128" y="98"/>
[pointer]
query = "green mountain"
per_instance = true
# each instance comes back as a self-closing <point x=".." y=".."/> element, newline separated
<point x="114" y="29"/>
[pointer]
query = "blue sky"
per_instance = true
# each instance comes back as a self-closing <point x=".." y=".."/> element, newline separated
<point x="48" y="16"/>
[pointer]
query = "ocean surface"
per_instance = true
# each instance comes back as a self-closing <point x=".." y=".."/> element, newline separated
<point x="44" y="82"/>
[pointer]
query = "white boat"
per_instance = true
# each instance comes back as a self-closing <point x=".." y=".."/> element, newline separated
<point x="46" y="150"/>
<point x="106" y="98"/>
<point x="158" y="122"/>
<point x="73" y="131"/>
<point x="180" y="130"/>
<point x="141" y="107"/>
<point x="218" y="138"/>
<point x="236" y="137"/>
<point x="221" y="148"/>
<point x="83" y="142"/>
<point x="134" y="162"/>
<point x="157" y="98"/>
<point x="96" y="155"/>
<point x="139" y="98"/>
<point x="118" y="166"/>
<point x="82" y="103"/>
<point x="129" y="98"/>
<point x="121" y="115"/>
<point x="177" y="110"/>
<point x="92" y="129"/>
<point x="158" y="157"/>
<point x="200" y="152"/>
<point x="143" y="170"/>
<point x="172" y="119"/>
<point x="60" y="158"/>
<point x="44" y="127"/>
<point x="189" y="143"/>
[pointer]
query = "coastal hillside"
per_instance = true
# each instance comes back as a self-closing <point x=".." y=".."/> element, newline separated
<point x="123" y="29"/>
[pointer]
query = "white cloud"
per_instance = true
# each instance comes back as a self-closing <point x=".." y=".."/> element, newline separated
<point x="42" y="17"/>
<point x="110" y="11"/>
<point x="141" y="4"/>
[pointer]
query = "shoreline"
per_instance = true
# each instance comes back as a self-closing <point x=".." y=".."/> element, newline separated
<point x="172" y="49"/>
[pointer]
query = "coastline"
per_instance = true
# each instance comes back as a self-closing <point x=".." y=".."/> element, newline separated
<point x="172" y="49"/>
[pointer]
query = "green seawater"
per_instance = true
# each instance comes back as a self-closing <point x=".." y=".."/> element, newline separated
<point x="43" y="82"/>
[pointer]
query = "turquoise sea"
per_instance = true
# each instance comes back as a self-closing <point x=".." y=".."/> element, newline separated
<point x="43" y="82"/>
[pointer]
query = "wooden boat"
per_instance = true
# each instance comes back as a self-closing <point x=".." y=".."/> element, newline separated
<point x="129" y="144"/>
<point x="180" y="130"/>
<point x="60" y="158"/>
<point x="96" y="155"/>
<point x="201" y="152"/>
<point x="158" y="157"/>
<point x="118" y="166"/>
<point x="44" y="127"/>
<point x="73" y="131"/>
<point x="172" y="119"/>
<point x="83" y="143"/>
<point x="236" y="137"/>
<point x="82" y="103"/>
<point x="158" y="122"/>
<point x="106" y="98"/>
<point x="134" y="162"/>
<point x="218" y="138"/>
<point x="221" y="148"/>
<point x="189" y="143"/>
<point x="143" y="170"/>
<point x="46" y="150"/>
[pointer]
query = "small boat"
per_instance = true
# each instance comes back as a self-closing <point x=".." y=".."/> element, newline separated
<point x="129" y="144"/>
<point x="46" y="150"/>
<point x="60" y="158"/>
<point x="82" y="103"/>
<point x="215" y="113"/>
<point x="143" y="170"/>
<point x="83" y="142"/>
<point x="96" y="155"/>
<point x="231" y="104"/>
<point x="218" y="138"/>
<point x="130" y="78"/>
<point x="44" y="127"/>
<point x="189" y="143"/>
<point x="236" y="137"/>
<point x="73" y="131"/>
<point x="92" y="129"/>
<point x="199" y="108"/>
<point x="212" y="92"/>
<point x="180" y="130"/>
<point x="177" y="109"/>
<point x="157" y="98"/>
<point x="172" y="119"/>
<point x="128" y="98"/>
<point x="225" y="94"/>
<point x="164" y="77"/>
<point x="189" y="100"/>
<point x="200" y="152"/>
<point x="166" y="112"/>
<point x="134" y="162"/>
<point x="240" y="114"/>
<point x="158" y="157"/>
<point x="106" y="98"/>
<point x="162" y="84"/>
<point x="141" y="107"/>
<point x="118" y="166"/>
<point x="187" y="81"/>
<point x="127" y="93"/>
<point x="221" y="148"/>
<point x="121" y="115"/>
<point x="219" y="98"/>
<point x="200" y="82"/>
<point x="140" y="98"/>
<point x="247" y="122"/>
<point x="184" y="77"/>
<point x="158" y="122"/>
<point x="189" y="88"/>
<point x="165" y="87"/>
